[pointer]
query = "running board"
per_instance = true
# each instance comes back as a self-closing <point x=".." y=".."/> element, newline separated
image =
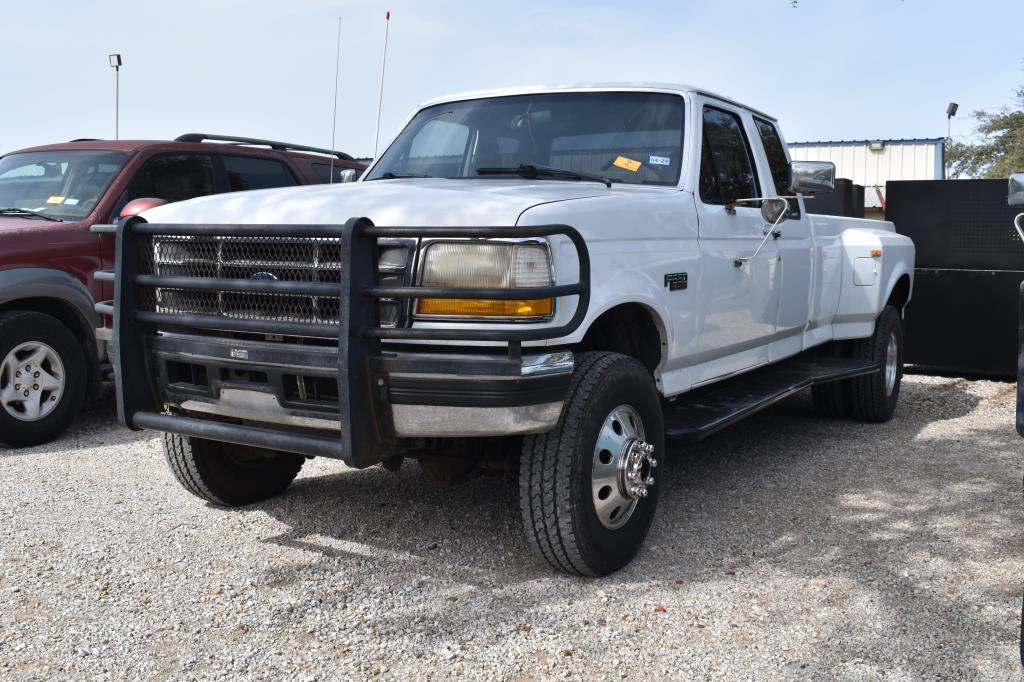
<point x="703" y="411"/>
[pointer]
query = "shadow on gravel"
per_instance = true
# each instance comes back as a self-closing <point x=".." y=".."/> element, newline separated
<point x="881" y="512"/>
<point x="892" y="513"/>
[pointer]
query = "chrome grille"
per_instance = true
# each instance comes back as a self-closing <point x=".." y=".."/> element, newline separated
<point x="263" y="258"/>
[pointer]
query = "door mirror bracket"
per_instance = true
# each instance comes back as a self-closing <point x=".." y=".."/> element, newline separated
<point x="773" y="210"/>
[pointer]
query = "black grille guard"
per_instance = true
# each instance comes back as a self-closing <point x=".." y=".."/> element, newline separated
<point x="366" y="436"/>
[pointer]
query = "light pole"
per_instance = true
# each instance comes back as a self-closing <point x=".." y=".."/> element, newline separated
<point x="950" y="113"/>
<point x="115" y="62"/>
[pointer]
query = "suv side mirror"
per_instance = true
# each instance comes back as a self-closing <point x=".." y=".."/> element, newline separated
<point x="812" y="177"/>
<point x="137" y="206"/>
<point x="1015" y="195"/>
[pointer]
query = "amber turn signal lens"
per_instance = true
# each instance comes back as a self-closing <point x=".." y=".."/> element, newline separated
<point x="470" y="307"/>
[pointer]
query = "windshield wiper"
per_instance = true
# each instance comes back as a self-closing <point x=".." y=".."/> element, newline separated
<point x="533" y="172"/>
<point x="26" y="212"/>
<point x="394" y="176"/>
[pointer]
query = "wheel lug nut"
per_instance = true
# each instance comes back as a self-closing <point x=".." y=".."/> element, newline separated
<point x="35" y="387"/>
<point x="25" y="394"/>
<point x="17" y="387"/>
<point x="17" y="374"/>
<point x="654" y="462"/>
<point x="36" y="375"/>
<point x="53" y="398"/>
<point x="650" y="480"/>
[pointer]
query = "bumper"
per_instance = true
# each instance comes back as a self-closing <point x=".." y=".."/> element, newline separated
<point x="430" y="394"/>
<point x="317" y="380"/>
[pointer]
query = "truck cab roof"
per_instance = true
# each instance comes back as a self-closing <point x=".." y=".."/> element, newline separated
<point x="626" y="86"/>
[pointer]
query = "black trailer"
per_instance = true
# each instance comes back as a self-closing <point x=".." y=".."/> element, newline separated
<point x="969" y="266"/>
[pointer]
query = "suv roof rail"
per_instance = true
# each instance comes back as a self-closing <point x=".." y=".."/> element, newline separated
<point x="287" y="146"/>
<point x="85" y="139"/>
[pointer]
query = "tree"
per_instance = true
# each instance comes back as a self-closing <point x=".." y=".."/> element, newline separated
<point x="1001" y="149"/>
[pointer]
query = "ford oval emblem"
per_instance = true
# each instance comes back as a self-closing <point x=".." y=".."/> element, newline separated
<point x="263" y="276"/>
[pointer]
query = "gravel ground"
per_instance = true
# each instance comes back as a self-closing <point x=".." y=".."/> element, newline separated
<point x="790" y="546"/>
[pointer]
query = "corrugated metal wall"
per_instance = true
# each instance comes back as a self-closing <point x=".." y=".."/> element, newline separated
<point x="898" y="160"/>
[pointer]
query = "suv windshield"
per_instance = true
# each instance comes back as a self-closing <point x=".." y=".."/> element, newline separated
<point x="64" y="184"/>
<point x="628" y="137"/>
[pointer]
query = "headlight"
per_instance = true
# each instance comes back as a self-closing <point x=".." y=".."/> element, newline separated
<point x="491" y="265"/>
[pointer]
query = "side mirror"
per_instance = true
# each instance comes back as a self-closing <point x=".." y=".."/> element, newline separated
<point x="1015" y="195"/>
<point x="774" y="211"/>
<point x="812" y="177"/>
<point x="348" y="175"/>
<point x="137" y="206"/>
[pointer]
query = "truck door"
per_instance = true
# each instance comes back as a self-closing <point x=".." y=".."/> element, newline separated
<point x="794" y="246"/>
<point x="738" y="305"/>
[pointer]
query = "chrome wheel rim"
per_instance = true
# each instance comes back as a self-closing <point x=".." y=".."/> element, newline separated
<point x="621" y="473"/>
<point x="31" y="381"/>
<point x="891" y="359"/>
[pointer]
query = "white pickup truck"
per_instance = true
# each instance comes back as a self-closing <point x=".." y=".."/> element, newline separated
<point x="555" y="281"/>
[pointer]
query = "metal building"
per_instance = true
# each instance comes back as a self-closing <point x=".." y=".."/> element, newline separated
<point x="872" y="163"/>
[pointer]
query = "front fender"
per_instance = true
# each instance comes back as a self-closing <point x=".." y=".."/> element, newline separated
<point x="18" y="284"/>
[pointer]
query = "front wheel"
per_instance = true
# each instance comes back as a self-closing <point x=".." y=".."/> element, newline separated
<point x="42" y="378"/>
<point x="587" y="488"/>
<point x="226" y="474"/>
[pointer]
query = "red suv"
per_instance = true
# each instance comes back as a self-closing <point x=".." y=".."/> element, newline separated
<point x="50" y="196"/>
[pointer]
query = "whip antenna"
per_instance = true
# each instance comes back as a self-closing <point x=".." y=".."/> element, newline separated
<point x="334" y="117"/>
<point x="380" y="95"/>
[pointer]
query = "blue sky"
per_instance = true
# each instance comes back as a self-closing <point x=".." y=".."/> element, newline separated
<point x="830" y="69"/>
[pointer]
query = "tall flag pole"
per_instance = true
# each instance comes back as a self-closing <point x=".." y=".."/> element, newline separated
<point x="380" y="96"/>
<point x="334" y="117"/>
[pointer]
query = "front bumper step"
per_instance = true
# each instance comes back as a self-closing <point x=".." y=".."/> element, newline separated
<point x="252" y="436"/>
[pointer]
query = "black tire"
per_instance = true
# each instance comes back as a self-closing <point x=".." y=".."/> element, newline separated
<point x="226" y="474"/>
<point x="556" y="497"/>
<point x="18" y="327"/>
<point x="872" y="399"/>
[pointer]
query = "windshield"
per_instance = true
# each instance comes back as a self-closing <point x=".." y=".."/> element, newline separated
<point x="627" y="137"/>
<point x="64" y="184"/>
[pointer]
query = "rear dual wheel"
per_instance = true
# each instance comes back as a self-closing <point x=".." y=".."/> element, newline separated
<point x="873" y="397"/>
<point x="587" y="488"/>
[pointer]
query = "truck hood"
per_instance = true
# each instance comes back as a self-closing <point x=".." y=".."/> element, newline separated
<point x="407" y="202"/>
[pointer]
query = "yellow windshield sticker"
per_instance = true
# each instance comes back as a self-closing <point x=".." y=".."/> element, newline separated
<point x="55" y="200"/>
<point x="627" y="163"/>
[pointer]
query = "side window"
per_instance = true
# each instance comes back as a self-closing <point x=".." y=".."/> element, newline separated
<point x="777" y="161"/>
<point x="173" y="177"/>
<point x="249" y="172"/>
<point x="726" y="170"/>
